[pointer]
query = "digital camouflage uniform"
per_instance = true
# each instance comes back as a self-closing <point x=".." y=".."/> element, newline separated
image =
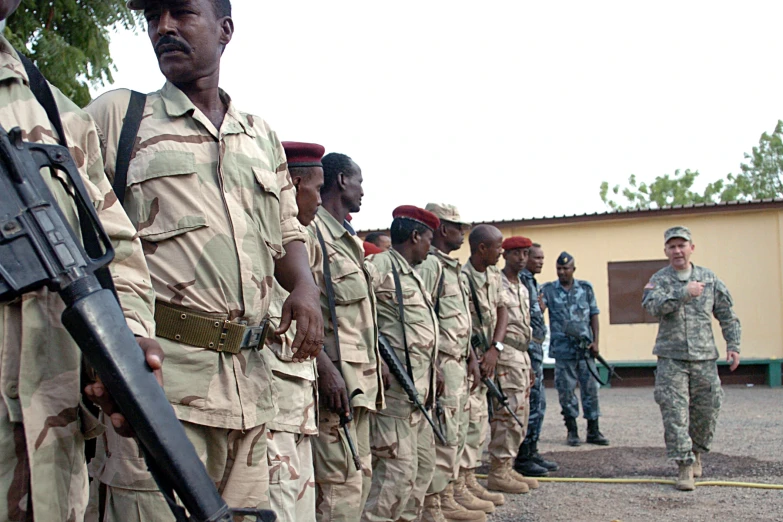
<point x="214" y="210"/>
<point x="687" y="386"/>
<point x="402" y="441"/>
<point x="489" y="289"/>
<point x="289" y="450"/>
<point x="512" y="374"/>
<point x="42" y="423"/>
<point x="453" y="345"/>
<point x="574" y="307"/>
<point x="536" y="353"/>
<point x="341" y="490"/>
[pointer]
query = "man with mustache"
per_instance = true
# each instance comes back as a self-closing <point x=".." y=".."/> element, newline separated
<point x="209" y="192"/>
<point x="684" y="297"/>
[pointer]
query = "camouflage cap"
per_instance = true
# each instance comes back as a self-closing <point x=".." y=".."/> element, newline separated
<point x="678" y="231"/>
<point x="445" y="212"/>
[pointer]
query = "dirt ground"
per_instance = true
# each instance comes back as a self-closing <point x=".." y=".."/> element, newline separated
<point x="748" y="447"/>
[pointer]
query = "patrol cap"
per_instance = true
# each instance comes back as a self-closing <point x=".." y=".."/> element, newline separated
<point x="564" y="258"/>
<point x="678" y="231"/>
<point x="300" y="154"/>
<point x="414" y="213"/>
<point x="514" y="242"/>
<point x="445" y="212"/>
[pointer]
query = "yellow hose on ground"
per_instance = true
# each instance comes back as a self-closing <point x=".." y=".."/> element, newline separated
<point x="721" y="483"/>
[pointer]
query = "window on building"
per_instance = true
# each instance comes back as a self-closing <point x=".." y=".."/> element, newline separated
<point x="626" y="285"/>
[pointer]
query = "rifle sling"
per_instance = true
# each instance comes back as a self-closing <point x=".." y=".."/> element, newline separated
<point x="330" y="298"/>
<point x="130" y="129"/>
<point x="401" y="308"/>
<point x="440" y="290"/>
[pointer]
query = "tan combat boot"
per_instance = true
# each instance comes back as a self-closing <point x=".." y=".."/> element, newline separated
<point x="432" y="510"/>
<point x="500" y="479"/>
<point x="452" y="510"/>
<point x="697" y="465"/>
<point x="479" y="491"/>
<point x="519" y="477"/>
<point x="465" y="498"/>
<point x="685" y="479"/>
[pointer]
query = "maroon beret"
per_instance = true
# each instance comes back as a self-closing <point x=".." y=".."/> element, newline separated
<point x="303" y="154"/>
<point x="425" y="217"/>
<point x="370" y="249"/>
<point x="516" y="242"/>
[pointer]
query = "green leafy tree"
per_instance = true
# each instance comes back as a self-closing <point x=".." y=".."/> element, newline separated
<point x="69" y="40"/>
<point x="760" y="177"/>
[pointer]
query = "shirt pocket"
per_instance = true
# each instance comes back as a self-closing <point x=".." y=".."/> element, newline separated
<point x="166" y="196"/>
<point x="267" y="210"/>
<point x="348" y="281"/>
<point x="416" y="308"/>
<point x="450" y="301"/>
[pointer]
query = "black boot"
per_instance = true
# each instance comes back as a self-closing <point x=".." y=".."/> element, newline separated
<point x="538" y="459"/>
<point x="594" y="435"/>
<point x="573" y="432"/>
<point x="524" y="463"/>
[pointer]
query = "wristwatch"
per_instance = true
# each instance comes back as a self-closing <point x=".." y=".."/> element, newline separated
<point x="498" y="345"/>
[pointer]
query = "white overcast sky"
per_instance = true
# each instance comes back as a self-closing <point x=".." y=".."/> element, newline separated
<point x="508" y="109"/>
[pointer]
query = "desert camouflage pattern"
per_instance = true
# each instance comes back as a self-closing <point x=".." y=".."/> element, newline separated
<point x="685" y="322"/>
<point x="690" y="396"/>
<point x="401" y="440"/>
<point x="235" y="460"/>
<point x="489" y="290"/>
<point x="214" y="210"/>
<point x="291" y="476"/>
<point x="506" y="434"/>
<point x="42" y="424"/>
<point x="573" y="307"/>
<point x="453" y="345"/>
<point x="518" y="333"/>
<point x="569" y="373"/>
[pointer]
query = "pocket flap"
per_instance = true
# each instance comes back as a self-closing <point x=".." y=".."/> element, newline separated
<point x="163" y="163"/>
<point x="268" y="181"/>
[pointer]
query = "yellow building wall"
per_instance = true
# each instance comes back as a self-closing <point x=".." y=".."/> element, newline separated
<point x="743" y="248"/>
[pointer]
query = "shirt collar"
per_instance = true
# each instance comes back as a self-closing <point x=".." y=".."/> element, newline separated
<point x="402" y="263"/>
<point x="177" y="104"/>
<point x="453" y="263"/>
<point x="335" y="228"/>
<point x="10" y="65"/>
<point x="480" y="278"/>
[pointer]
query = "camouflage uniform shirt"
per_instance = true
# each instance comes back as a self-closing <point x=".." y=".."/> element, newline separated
<point x="39" y="362"/>
<point x="214" y="209"/>
<point x="574" y="307"/>
<point x="518" y="332"/>
<point x="537" y="324"/>
<point x="452" y="303"/>
<point x="490" y="294"/>
<point x="685" y="322"/>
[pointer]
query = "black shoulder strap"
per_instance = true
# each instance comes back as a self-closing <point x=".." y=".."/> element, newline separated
<point x="130" y="129"/>
<point x="440" y="291"/>
<point x="474" y="296"/>
<point x="43" y="93"/>
<point x="401" y="307"/>
<point x="330" y="297"/>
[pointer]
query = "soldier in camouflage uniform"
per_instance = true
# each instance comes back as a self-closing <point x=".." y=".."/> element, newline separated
<point x="514" y="373"/>
<point x="211" y="197"/>
<point x="441" y="275"/>
<point x="573" y="309"/>
<point x="401" y="439"/>
<point x="529" y="462"/>
<point x="289" y="452"/>
<point x="43" y="424"/>
<point x="684" y="297"/>
<point x="352" y="365"/>
<point x="489" y="316"/>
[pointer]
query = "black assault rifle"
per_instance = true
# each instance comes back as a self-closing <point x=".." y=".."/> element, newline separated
<point x="398" y="370"/>
<point x="584" y="346"/>
<point x="39" y="249"/>
<point x="479" y="342"/>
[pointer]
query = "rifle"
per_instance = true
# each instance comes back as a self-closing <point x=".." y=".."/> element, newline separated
<point x="584" y="346"/>
<point x="38" y="249"/>
<point x="494" y="391"/>
<point x="398" y="370"/>
<point x="346" y="419"/>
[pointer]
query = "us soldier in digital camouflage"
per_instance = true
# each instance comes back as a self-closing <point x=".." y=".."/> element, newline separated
<point x="402" y="440"/>
<point x="289" y="450"/>
<point x="448" y="497"/>
<point x="489" y="317"/>
<point x="43" y="424"/>
<point x="349" y="373"/>
<point x="684" y="297"/>
<point x="212" y="200"/>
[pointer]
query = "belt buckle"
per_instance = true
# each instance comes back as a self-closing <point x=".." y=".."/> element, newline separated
<point x="254" y="335"/>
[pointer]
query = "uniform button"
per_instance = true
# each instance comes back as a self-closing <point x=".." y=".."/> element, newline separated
<point x="12" y="390"/>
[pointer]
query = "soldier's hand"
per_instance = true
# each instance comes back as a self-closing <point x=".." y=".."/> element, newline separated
<point x="733" y="358"/>
<point x="488" y="362"/>
<point x="695" y="288"/>
<point x="474" y="372"/>
<point x="385" y="375"/>
<point x="331" y="387"/>
<point x="593" y="347"/>
<point x="440" y="382"/>
<point x="304" y="306"/>
<point x="98" y="393"/>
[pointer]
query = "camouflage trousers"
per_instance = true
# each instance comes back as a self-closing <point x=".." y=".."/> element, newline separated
<point x="403" y="458"/>
<point x="537" y="394"/>
<point x="569" y="372"/>
<point x="291" y="476"/>
<point x="478" y="427"/>
<point x="507" y="434"/>
<point x="453" y="422"/>
<point x="341" y="491"/>
<point x="235" y="460"/>
<point x="689" y="395"/>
